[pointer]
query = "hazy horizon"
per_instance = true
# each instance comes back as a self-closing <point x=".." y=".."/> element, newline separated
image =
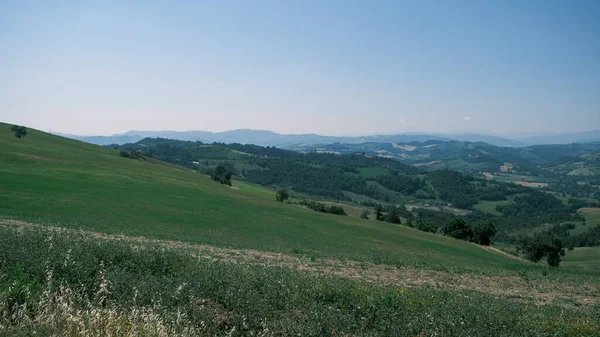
<point x="337" y="68"/>
<point x="515" y="136"/>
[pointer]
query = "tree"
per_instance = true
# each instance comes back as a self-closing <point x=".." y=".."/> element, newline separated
<point x="554" y="250"/>
<point x="483" y="233"/>
<point x="19" y="131"/>
<point x="339" y="210"/>
<point x="379" y="212"/>
<point x="282" y="195"/>
<point x="458" y="229"/>
<point x="365" y="214"/>
<point x="425" y="227"/>
<point x="222" y="175"/>
<point x="393" y="217"/>
<point x="542" y="245"/>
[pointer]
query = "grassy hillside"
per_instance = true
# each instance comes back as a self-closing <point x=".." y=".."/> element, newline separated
<point x="201" y="258"/>
<point x="53" y="180"/>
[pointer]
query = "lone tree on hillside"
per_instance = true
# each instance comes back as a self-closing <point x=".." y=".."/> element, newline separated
<point x="282" y="195"/>
<point x="458" y="229"/>
<point x="424" y="226"/>
<point x="379" y="212"/>
<point x="222" y="175"/>
<point x="365" y="214"/>
<point x="543" y="245"/>
<point x="19" y="131"/>
<point x="482" y="234"/>
<point x="393" y="217"/>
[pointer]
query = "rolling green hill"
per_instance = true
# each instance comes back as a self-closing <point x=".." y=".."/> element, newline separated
<point x="95" y="243"/>
<point x="53" y="180"/>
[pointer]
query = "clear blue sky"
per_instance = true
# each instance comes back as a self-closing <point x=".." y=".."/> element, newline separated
<point x="328" y="67"/>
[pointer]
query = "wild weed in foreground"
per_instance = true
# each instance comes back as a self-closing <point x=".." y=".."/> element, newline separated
<point x="65" y="284"/>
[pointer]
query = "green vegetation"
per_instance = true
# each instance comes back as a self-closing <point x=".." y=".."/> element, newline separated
<point x="372" y="172"/>
<point x="135" y="154"/>
<point x="57" y="282"/>
<point x="241" y="263"/>
<point x="19" y="131"/>
<point x="221" y="174"/>
<point x="582" y="258"/>
<point x="572" y="170"/>
<point x="320" y="207"/>
<point x="357" y="179"/>
<point x="591" y="215"/>
<point x="52" y="180"/>
<point x="481" y="234"/>
<point x="282" y="195"/>
<point x="542" y="245"/>
<point x="489" y="207"/>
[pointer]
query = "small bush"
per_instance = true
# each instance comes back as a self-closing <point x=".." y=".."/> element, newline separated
<point x="542" y="245"/>
<point x="222" y="175"/>
<point x="320" y="207"/>
<point x="19" y="131"/>
<point x="282" y="195"/>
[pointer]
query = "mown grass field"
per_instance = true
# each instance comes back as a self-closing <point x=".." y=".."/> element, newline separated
<point x="287" y="270"/>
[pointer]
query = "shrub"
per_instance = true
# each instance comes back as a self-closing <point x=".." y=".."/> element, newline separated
<point x="425" y="227"/>
<point x="379" y="212"/>
<point x="320" y="207"/>
<point x="221" y="174"/>
<point x="537" y="247"/>
<point x="392" y="217"/>
<point x="339" y="210"/>
<point x="282" y="195"/>
<point x="458" y="229"/>
<point x="19" y="131"/>
<point x="134" y="154"/>
<point x="483" y="233"/>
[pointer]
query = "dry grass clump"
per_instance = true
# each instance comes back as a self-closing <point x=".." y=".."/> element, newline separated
<point x="62" y="311"/>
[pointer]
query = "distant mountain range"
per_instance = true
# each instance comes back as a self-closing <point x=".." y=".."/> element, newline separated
<point x="270" y="138"/>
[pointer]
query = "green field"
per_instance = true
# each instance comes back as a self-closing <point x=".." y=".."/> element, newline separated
<point x="490" y="206"/>
<point x="583" y="258"/>
<point x="252" y="263"/>
<point x="580" y="258"/>
<point x="372" y="172"/>
<point x="592" y="215"/>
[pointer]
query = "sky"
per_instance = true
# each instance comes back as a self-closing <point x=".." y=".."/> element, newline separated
<point x="326" y="67"/>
